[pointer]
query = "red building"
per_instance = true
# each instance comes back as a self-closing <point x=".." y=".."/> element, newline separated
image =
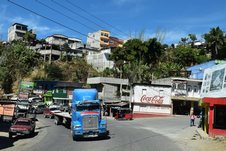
<point x="216" y="120"/>
<point x="213" y="94"/>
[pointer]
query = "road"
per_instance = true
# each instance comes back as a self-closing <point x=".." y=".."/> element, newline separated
<point x="150" y="134"/>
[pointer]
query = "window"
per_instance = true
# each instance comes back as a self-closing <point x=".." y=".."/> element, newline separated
<point x="144" y="91"/>
<point x="174" y="86"/>
<point x="181" y="86"/>
<point x="195" y="89"/>
<point x="105" y="40"/>
<point x="189" y="88"/>
<point x="161" y="92"/>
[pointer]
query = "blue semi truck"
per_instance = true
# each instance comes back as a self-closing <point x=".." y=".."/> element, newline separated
<point x="85" y="117"/>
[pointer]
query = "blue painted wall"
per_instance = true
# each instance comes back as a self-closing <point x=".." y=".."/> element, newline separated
<point x="198" y="70"/>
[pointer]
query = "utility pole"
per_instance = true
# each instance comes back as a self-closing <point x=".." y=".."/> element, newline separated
<point x="51" y="49"/>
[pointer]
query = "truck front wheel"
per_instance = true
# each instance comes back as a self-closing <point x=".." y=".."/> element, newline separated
<point x="74" y="138"/>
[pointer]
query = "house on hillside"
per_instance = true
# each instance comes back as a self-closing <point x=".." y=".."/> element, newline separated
<point x="99" y="59"/>
<point x="197" y="71"/>
<point x="54" y="47"/>
<point x="99" y="39"/>
<point x="17" y="31"/>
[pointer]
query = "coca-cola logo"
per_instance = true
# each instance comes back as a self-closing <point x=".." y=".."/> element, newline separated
<point x="152" y="100"/>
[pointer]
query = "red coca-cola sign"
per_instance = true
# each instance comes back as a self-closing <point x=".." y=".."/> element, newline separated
<point x="152" y="100"/>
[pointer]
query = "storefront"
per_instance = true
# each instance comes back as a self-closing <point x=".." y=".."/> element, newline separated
<point x="151" y="100"/>
<point x="216" y="111"/>
<point x="214" y="99"/>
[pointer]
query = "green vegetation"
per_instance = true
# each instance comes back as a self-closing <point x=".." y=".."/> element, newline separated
<point x="139" y="60"/>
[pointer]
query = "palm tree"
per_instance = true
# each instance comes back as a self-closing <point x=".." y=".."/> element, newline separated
<point x="214" y="40"/>
<point x="184" y="41"/>
<point x="193" y="38"/>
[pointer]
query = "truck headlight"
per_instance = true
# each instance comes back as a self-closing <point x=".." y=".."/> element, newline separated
<point x="103" y="125"/>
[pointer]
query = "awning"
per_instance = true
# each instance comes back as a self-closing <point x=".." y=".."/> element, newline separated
<point x="120" y="104"/>
<point x="56" y="98"/>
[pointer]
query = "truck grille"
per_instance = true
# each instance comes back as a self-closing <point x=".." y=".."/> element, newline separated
<point x="90" y="122"/>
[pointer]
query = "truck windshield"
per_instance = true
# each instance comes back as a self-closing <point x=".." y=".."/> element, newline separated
<point x="87" y="107"/>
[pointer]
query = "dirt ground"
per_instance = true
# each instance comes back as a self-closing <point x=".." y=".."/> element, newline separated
<point x="195" y="143"/>
<point x="210" y="145"/>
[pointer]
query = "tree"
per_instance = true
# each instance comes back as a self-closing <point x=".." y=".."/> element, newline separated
<point x="29" y="37"/>
<point x="65" y="48"/>
<point x="135" y="59"/>
<point x="53" y="72"/>
<point x="183" y="41"/>
<point x="214" y="40"/>
<point x="167" y="69"/>
<point x="16" y="62"/>
<point x="193" y="38"/>
<point x="154" y="51"/>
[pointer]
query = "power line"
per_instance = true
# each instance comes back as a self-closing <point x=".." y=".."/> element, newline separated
<point x="77" y="14"/>
<point x="58" y="23"/>
<point x="72" y="11"/>
<point x="96" y="17"/>
<point x="65" y="15"/>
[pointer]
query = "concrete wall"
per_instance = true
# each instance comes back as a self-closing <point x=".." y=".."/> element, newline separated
<point x="151" y="99"/>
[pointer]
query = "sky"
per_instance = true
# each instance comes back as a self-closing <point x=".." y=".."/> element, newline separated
<point x="170" y="20"/>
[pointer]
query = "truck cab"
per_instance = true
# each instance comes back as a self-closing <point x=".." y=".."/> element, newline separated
<point x="86" y="115"/>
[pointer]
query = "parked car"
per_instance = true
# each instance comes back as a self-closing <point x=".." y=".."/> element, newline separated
<point x="38" y="107"/>
<point x="22" y="108"/>
<point x="49" y="112"/>
<point x="22" y="126"/>
<point x="22" y="105"/>
<point x="34" y="99"/>
<point x="64" y="108"/>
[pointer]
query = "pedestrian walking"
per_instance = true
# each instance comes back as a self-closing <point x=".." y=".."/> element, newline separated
<point x="192" y="119"/>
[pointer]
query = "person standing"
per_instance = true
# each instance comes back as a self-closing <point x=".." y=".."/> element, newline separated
<point x="192" y="119"/>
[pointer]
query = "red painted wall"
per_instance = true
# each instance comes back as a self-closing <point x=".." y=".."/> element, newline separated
<point x="214" y="101"/>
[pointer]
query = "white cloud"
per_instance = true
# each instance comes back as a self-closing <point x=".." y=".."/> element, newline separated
<point x="33" y="23"/>
<point x="174" y="36"/>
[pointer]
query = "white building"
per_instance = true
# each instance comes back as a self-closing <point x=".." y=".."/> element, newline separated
<point x="151" y="99"/>
<point x="214" y="82"/>
<point x="99" y="59"/>
<point x="17" y="31"/>
<point x="59" y="39"/>
<point x="185" y="93"/>
<point x="98" y="39"/>
<point x="55" y="43"/>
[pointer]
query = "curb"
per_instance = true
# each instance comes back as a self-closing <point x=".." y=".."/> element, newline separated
<point x="202" y="134"/>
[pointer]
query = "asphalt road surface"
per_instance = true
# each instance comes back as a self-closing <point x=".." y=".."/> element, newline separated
<point x="151" y="134"/>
